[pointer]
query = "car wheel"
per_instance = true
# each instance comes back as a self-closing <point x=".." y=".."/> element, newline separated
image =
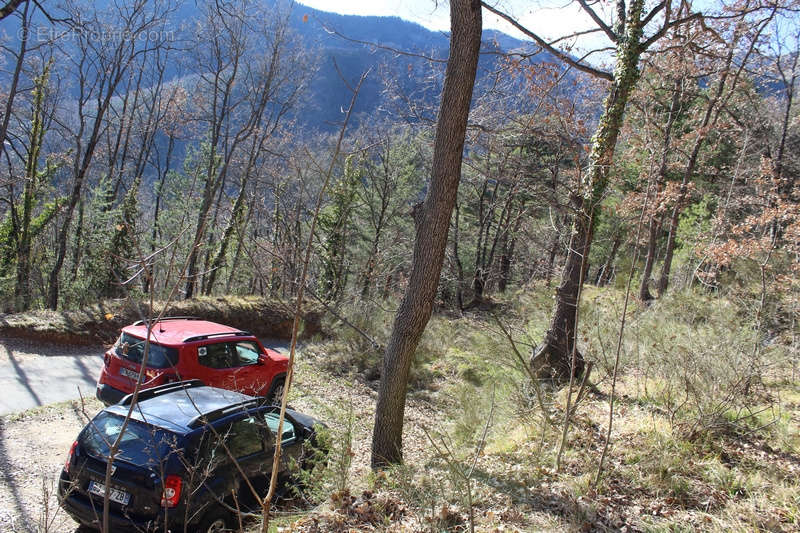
<point x="276" y="394"/>
<point x="217" y="521"/>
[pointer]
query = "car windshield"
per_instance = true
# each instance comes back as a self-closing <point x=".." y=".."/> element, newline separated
<point x="288" y="428"/>
<point x="140" y="444"/>
<point x="158" y="356"/>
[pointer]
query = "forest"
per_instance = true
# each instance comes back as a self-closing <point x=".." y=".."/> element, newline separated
<point x="585" y="262"/>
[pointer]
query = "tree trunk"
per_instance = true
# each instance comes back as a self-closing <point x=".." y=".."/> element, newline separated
<point x="457" y="259"/>
<point x="160" y="191"/>
<point x="509" y="241"/>
<point x="786" y="179"/>
<point x="235" y="223"/>
<point x="12" y="91"/>
<point x="655" y="216"/>
<point x="237" y="255"/>
<point x="608" y="267"/>
<point x="75" y="196"/>
<point x="22" y="292"/>
<point x="554" y="358"/>
<point x="715" y="104"/>
<point x="551" y="259"/>
<point x="652" y="238"/>
<point x="369" y="269"/>
<point x="432" y="225"/>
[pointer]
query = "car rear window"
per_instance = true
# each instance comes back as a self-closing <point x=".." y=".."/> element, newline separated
<point x="158" y="356"/>
<point x="141" y="444"/>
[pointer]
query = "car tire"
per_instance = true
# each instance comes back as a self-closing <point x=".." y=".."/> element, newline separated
<point x="217" y="521"/>
<point x="275" y="393"/>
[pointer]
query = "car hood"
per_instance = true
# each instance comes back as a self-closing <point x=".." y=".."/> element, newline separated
<point x="306" y="420"/>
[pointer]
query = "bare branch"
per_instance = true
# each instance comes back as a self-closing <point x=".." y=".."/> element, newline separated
<point x="383" y="47"/>
<point x="576" y="34"/>
<point x="544" y="44"/>
<point x="9" y="8"/>
<point x="600" y="22"/>
<point x="655" y="11"/>
<point x="677" y="22"/>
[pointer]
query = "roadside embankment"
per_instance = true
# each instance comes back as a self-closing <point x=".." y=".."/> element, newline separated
<point x="101" y="322"/>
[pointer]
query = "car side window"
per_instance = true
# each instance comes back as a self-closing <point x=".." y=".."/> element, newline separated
<point x="228" y="354"/>
<point x="247" y="353"/>
<point x="246" y="437"/>
<point x="215" y="355"/>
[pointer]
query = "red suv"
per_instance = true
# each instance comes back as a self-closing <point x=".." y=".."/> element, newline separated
<point x="189" y="348"/>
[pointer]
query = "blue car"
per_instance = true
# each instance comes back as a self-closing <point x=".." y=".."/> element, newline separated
<point x="187" y="458"/>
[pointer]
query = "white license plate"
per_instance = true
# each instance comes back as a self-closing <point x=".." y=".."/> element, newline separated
<point x="117" y="496"/>
<point x="129" y="373"/>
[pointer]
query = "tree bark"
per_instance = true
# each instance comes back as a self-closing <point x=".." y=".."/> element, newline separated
<point x="9" y="7"/>
<point x="432" y="225"/>
<point x="554" y="357"/>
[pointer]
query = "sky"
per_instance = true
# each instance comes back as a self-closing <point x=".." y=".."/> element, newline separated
<point x="549" y="18"/>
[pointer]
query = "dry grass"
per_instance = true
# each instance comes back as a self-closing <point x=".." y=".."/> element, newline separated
<point x="672" y="466"/>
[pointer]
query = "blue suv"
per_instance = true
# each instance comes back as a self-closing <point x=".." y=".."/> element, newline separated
<point x="175" y="463"/>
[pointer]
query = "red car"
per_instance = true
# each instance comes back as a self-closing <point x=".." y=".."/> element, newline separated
<point x="183" y="348"/>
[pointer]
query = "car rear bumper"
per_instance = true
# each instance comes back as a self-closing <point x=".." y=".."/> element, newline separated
<point x="108" y="394"/>
<point x="90" y="514"/>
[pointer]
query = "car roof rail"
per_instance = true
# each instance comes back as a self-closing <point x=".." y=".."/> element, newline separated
<point x="164" y="319"/>
<point x="146" y="394"/>
<point x="222" y="412"/>
<point x="240" y="333"/>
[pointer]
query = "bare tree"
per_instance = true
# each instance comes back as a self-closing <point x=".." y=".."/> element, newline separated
<point x="737" y="51"/>
<point x="432" y="220"/>
<point x="242" y="94"/>
<point x="276" y="79"/>
<point x="101" y="65"/>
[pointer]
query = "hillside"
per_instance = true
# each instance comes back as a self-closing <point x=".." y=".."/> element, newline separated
<point x="476" y="439"/>
<point x="332" y="39"/>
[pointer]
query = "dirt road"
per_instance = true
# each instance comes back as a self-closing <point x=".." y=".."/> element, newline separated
<point x="34" y="443"/>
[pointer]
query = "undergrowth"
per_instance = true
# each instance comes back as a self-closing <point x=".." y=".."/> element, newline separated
<point x="706" y="430"/>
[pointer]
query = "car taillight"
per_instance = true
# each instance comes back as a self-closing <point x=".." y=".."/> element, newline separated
<point x="70" y="456"/>
<point x="172" y="491"/>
